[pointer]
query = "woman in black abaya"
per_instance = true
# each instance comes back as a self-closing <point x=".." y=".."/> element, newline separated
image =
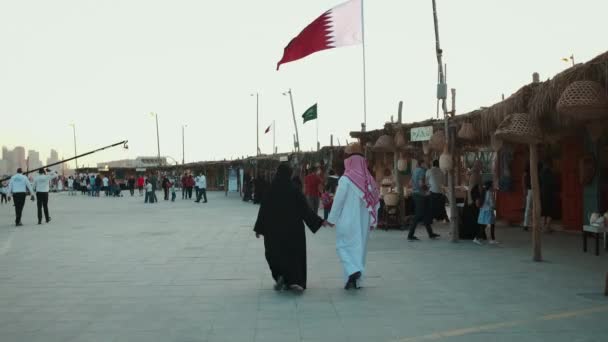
<point x="281" y="221"/>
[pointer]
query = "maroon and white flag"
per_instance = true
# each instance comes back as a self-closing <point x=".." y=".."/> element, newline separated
<point x="340" y="26"/>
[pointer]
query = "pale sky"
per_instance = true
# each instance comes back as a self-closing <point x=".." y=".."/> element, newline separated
<point x="104" y="65"/>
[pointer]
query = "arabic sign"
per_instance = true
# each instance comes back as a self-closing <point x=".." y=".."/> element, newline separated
<point x="421" y="133"/>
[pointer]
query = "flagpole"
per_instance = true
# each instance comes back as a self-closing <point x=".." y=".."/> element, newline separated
<point x="317" y="121"/>
<point x="363" y="127"/>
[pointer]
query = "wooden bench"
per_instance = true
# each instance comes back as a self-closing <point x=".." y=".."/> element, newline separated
<point x="595" y="231"/>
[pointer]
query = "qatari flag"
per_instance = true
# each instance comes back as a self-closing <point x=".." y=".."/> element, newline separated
<point x="340" y="26"/>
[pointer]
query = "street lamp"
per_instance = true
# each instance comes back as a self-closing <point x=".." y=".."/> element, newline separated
<point x="257" y="122"/>
<point x="155" y="115"/>
<point x="75" y="150"/>
<point x="293" y="113"/>
<point x="183" y="146"/>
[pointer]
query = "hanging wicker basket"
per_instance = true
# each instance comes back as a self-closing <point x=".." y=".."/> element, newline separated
<point x="519" y="128"/>
<point x="467" y="131"/>
<point x="437" y="142"/>
<point x="496" y="143"/>
<point x="384" y="144"/>
<point x="583" y="101"/>
<point x="400" y="140"/>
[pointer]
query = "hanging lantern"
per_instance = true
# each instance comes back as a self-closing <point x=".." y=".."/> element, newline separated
<point x="437" y="142"/>
<point x="384" y="144"/>
<point x="426" y="148"/>
<point x="467" y="131"/>
<point x="583" y="101"/>
<point x="446" y="162"/>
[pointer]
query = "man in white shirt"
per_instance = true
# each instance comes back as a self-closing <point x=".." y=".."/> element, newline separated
<point x="106" y="184"/>
<point x="41" y="187"/>
<point x="17" y="187"/>
<point x="434" y="178"/>
<point x="201" y="184"/>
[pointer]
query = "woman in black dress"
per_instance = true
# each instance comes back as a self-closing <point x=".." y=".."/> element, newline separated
<point x="548" y="189"/>
<point x="281" y="221"/>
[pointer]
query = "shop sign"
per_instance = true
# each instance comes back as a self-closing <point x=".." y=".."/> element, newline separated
<point x="421" y="133"/>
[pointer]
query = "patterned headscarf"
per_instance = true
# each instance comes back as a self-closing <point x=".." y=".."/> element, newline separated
<point x="356" y="170"/>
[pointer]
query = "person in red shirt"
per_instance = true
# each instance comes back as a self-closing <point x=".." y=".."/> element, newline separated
<point x="140" y="185"/>
<point x="313" y="184"/>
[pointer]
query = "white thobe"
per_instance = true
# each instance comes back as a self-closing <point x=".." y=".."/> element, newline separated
<point x="353" y="221"/>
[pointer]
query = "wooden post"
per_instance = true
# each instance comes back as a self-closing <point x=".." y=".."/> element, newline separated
<point x="536" y="233"/>
<point x="450" y="141"/>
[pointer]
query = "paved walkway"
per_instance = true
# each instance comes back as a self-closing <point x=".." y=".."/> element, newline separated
<point x="118" y="270"/>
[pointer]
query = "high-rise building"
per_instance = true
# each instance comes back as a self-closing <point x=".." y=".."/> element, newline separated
<point x="54" y="157"/>
<point x="19" y="157"/>
<point x="33" y="159"/>
<point x="7" y="161"/>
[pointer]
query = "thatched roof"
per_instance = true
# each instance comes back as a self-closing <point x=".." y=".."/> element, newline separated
<point x="543" y="104"/>
<point x="537" y="99"/>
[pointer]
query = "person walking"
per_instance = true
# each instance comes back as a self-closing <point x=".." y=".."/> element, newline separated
<point x="106" y="185"/>
<point x="487" y="218"/>
<point x="280" y="221"/>
<point x="17" y="187"/>
<point x="150" y="196"/>
<point x="422" y="205"/>
<point x="312" y="188"/>
<point x="185" y="186"/>
<point x="434" y="178"/>
<point x="131" y="185"/>
<point x="190" y="183"/>
<point x="4" y="192"/>
<point x="354" y="213"/>
<point x="201" y="184"/>
<point x="41" y="188"/>
<point x="165" y="184"/>
<point x="141" y="182"/>
<point x="548" y="194"/>
<point x="154" y="180"/>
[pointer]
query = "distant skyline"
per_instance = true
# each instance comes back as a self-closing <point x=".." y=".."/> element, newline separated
<point x="105" y="65"/>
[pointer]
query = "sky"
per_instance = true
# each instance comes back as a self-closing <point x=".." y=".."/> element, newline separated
<point x="105" y="65"/>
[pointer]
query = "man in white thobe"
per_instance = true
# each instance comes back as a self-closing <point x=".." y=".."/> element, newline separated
<point x="354" y="213"/>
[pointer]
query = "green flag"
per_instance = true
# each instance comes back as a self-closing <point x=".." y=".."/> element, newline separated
<point x="310" y="114"/>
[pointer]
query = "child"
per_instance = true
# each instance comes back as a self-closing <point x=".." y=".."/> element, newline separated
<point x="4" y="192"/>
<point x="486" y="213"/>
<point x="327" y="199"/>
<point x="173" y="191"/>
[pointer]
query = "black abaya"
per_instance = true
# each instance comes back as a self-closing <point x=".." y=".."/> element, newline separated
<point x="281" y="221"/>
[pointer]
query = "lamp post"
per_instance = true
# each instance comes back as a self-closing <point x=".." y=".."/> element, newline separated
<point x="183" y="145"/>
<point x="257" y="123"/>
<point x="75" y="150"/>
<point x="293" y="113"/>
<point x="155" y="115"/>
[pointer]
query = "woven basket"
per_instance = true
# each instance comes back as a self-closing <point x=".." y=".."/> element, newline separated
<point x="496" y="143"/>
<point x="402" y="164"/>
<point x="384" y="144"/>
<point x="437" y="141"/>
<point x="400" y="140"/>
<point x="467" y="131"/>
<point x="519" y="128"/>
<point x="583" y="101"/>
<point x="446" y="162"/>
